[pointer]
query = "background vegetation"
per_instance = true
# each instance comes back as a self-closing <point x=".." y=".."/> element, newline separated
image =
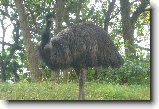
<point x="128" y="23"/>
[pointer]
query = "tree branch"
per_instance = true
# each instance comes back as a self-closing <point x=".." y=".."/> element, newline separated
<point x="12" y="18"/>
<point x="142" y="48"/>
<point x="5" y="43"/>
<point x="139" y="10"/>
<point x="7" y="15"/>
<point x="117" y="12"/>
<point x="79" y="6"/>
<point x="107" y="17"/>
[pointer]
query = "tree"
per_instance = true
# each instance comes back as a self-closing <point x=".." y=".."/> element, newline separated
<point x="128" y="23"/>
<point x="107" y="14"/>
<point x="30" y="51"/>
<point x="3" y="74"/>
<point x="5" y="58"/>
<point x="59" y="10"/>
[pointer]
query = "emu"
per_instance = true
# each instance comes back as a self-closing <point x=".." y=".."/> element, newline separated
<point x="80" y="46"/>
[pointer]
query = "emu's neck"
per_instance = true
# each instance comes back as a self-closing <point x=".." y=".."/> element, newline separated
<point x="46" y="34"/>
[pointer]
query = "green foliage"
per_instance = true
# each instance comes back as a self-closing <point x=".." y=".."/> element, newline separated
<point x="15" y="64"/>
<point x="94" y="91"/>
<point x="130" y="82"/>
<point x="104" y="91"/>
<point x="46" y="72"/>
<point x="4" y="2"/>
<point x="135" y="71"/>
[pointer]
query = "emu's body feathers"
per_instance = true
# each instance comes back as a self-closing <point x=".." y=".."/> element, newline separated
<point x="80" y="46"/>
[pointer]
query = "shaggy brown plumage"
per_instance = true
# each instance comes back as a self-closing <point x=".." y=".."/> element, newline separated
<point x="80" y="46"/>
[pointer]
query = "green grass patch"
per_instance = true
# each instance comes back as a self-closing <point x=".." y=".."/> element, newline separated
<point x="69" y="91"/>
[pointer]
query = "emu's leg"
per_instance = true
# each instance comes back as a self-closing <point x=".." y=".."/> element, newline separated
<point x="81" y="77"/>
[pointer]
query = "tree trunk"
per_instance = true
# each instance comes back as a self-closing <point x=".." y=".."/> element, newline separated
<point x="60" y="4"/>
<point x="3" y="73"/>
<point x="59" y="8"/>
<point x="30" y="51"/>
<point x="128" y="33"/>
<point x="79" y="6"/>
<point x="55" y="76"/>
<point x="108" y="14"/>
<point x="128" y="24"/>
<point x="3" y="70"/>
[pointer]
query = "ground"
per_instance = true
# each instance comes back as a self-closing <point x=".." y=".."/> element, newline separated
<point x="69" y="91"/>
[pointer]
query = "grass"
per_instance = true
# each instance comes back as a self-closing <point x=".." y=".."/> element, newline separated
<point x="69" y="91"/>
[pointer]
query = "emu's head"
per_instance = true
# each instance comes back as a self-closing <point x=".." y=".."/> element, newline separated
<point x="50" y="17"/>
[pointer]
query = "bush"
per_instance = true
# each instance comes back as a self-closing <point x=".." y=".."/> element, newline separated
<point x="136" y="70"/>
